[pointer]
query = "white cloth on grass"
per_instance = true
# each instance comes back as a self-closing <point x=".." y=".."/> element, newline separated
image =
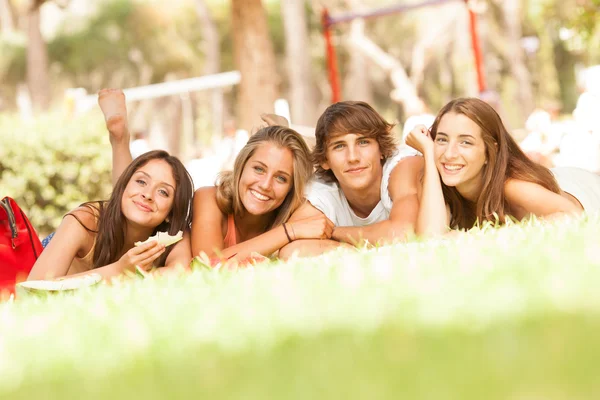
<point x="581" y="184"/>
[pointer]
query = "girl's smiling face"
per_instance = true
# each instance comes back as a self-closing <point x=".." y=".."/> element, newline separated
<point x="149" y="195"/>
<point x="266" y="179"/>
<point x="460" y="153"/>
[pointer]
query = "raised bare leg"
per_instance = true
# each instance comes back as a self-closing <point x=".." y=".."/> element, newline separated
<point x="113" y="106"/>
<point x="274" y="119"/>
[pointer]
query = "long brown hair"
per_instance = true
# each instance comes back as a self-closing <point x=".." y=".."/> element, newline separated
<point x="228" y="198"/>
<point x="110" y="234"/>
<point x="355" y="117"/>
<point x="505" y="160"/>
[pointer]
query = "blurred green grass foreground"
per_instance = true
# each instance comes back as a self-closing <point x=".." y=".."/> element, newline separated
<point x="509" y="313"/>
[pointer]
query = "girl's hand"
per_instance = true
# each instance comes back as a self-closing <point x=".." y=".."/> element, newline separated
<point x="420" y="139"/>
<point x="143" y="256"/>
<point x="317" y="227"/>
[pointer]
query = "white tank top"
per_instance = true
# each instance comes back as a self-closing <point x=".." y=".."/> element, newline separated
<point x="581" y="184"/>
<point x="329" y="198"/>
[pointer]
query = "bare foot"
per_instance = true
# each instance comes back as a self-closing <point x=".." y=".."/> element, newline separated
<point x="274" y="119"/>
<point x="112" y="104"/>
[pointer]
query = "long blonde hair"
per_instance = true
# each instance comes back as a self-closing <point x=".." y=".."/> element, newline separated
<point x="228" y="197"/>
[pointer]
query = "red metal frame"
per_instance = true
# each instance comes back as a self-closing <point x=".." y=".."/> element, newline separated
<point x="332" y="68"/>
<point x="327" y="21"/>
<point x="476" y="49"/>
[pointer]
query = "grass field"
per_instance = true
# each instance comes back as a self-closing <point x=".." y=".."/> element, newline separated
<point x="510" y="313"/>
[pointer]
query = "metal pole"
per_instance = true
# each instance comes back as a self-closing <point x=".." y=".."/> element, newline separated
<point x="476" y="48"/>
<point x="332" y="67"/>
<point x="381" y="12"/>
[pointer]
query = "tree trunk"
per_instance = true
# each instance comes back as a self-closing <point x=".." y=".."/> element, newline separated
<point x="302" y="92"/>
<point x="212" y="64"/>
<point x="210" y="36"/>
<point x="7" y="17"/>
<point x="431" y="39"/>
<point x="255" y="59"/>
<point x="512" y="10"/>
<point x="357" y="83"/>
<point x="548" y="83"/>
<point x="404" y="91"/>
<point x="37" y="63"/>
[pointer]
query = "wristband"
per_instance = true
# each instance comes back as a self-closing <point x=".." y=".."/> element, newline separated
<point x="287" y="234"/>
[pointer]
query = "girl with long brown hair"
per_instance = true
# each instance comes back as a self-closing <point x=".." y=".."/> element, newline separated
<point x="475" y="171"/>
<point x="152" y="195"/>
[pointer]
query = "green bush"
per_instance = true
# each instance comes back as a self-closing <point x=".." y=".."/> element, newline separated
<point x="52" y="164"/>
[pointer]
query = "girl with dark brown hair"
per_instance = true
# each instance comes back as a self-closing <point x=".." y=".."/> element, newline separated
<point x="475" y="171"/>
<point x="152" y="195"/>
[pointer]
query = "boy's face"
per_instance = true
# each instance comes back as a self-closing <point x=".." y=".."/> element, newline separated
<point x="355" y="160"/>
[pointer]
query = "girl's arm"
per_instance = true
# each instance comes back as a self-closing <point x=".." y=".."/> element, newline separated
<point x="265" y="244"/>
<point x="208" y="235"/>
<point x="432" y="216"/>
<point x="537" y="200"/>
<point x="207" y="232"/>
<point x="142" y="256"/>
<point x="70" y="238"/>
<point x="181" y="255"/>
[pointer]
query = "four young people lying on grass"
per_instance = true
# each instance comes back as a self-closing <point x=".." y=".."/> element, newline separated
<point x="365" y="187"/>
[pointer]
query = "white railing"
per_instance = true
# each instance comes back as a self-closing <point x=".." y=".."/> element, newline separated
<point x="224" y="79"/>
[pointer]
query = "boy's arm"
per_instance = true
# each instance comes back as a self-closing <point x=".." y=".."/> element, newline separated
<point x="307" y="247"/>
<point x="403" y="188"/>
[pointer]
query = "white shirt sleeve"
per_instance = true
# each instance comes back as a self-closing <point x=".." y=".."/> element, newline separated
<point x="324" y="197"/>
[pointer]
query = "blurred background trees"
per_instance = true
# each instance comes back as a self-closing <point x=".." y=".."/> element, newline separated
<point x="532" y="49"/>
<point x="255" y="59"/>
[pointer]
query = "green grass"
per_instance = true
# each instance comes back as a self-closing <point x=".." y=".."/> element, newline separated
<point x="512" y="313"/>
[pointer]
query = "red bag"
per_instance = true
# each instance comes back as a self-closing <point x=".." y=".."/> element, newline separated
<point x="19" y="245"/>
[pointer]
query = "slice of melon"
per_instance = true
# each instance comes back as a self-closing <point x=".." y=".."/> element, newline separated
<point x="61" y="285"/>
<point x="140" y="273"/>
<point x="163" y="238"/>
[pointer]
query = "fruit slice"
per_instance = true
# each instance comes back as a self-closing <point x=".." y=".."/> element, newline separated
<point x="163" y="238"/>
<point x="202" y="262"/>
<point x="140" y="273"/>
<point x="61" y="285"/>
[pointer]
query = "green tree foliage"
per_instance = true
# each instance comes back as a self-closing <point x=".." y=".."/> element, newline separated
<point x="584" y="19"/>
<point x="123" y="38"/>
<point x="135" y="42"/>
<point x="53" y="164"/>
<point x="569" y="34"/>
<point x="125" y="43"/>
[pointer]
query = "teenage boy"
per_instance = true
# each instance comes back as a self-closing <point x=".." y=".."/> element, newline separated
<point x="364" y="182"/>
